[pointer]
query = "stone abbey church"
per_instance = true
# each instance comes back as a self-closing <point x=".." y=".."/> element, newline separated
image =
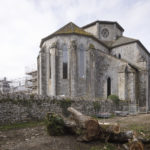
<point x="95" y="60"/>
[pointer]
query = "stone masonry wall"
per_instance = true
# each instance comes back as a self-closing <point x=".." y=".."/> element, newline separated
<point x="21" y="108"/>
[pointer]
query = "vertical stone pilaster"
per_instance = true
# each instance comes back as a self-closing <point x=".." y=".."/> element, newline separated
<point x="53" y="71"/>
<point x="92" y="72"/>
<point x="147" y="91"/>
<point x="122" y="85"/>
<point x="73" y="81"/>
<point x="53" y="54"/>
<point x="47" y="72"/>
<point x="43" y="72"/>
<point x="133" y="87"/>
<point x="39" y="74"/>
<point x="90" y="79"/>
<point x="88" y="87"/>
<point x="69" y="70"/>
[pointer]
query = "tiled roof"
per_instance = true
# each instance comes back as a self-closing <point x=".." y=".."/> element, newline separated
<point x="123" y="40"/>
<point x="120" y="41"/>
<point x="71" y="28"/>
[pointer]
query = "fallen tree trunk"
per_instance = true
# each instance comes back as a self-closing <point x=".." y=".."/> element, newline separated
<point x="94" y="129"/>
<point x="58" y="125"/>
<point x="89" y="126"/>
<point x="122" y="137"/>
<point x="79" y="118"/>
<point x="89" y="129"/>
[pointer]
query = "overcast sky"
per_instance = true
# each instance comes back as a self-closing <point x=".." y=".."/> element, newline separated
<point x="23" y="23"/>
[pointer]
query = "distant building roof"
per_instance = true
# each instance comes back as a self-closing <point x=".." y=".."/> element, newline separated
<point x="32" y="72"/>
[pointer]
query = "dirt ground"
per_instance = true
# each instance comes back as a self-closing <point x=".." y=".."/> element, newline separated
<point x="36" y="138"/>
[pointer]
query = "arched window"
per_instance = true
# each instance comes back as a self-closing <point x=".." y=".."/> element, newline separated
<point x="65" y="62"/>
<point x="81" y="60"/>
<point x="108" y="86"/>
<point x="119" y="56"/>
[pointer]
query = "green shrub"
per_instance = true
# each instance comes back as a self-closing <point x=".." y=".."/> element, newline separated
<point x="114" y="98"/>
<point x="55" y="124"/>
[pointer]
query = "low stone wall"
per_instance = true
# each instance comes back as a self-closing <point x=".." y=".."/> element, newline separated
<point x="21" y="108"/>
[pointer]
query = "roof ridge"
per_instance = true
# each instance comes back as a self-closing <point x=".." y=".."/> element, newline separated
<point x="128" y="37"/>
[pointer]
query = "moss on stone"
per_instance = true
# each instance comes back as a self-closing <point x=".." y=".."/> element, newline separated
<point x="91" y="46"/>
<point x="71" y="28"/>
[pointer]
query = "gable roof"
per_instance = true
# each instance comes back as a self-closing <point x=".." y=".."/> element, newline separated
<point x="71" y="28"/>
<point x="104" y="22"/>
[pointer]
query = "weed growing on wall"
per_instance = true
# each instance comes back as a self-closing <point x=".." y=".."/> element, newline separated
<point x="64" y="104"/>
<point x="96" y="106"/>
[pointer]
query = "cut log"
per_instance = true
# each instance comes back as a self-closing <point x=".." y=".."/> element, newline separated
<point x="135" y="144"/>
<point x="90" y="126"/>
<point x="78" y="117"/>
<point x="83" y="121"/>
<point x="110" y="127"/>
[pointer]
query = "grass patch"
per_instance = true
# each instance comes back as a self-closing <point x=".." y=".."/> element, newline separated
<point x="141" y="130"/>
<point x="107" y="146"/>
<point x="21" y="125"/>
<point x="137" y="128"/>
